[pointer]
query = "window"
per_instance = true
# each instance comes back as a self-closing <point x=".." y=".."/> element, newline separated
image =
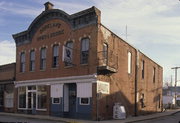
<point x="55" y="100"/>
<point x="55" y="55"/>
<point x="129" y="62"/>
<point x="22" y="97"/>
<point x="22" y="62"/>
<point x="84" y="50"/>
<point x="32" y="60"/>
<point x="43" y="59"/>
<point x="9" y="96"/>
<point x="154" y="74"/>
<point x="105" y="52"/>
<point x="159" y="104"/>
<point x="69" y="48"/>
<point x="142" y="67"/>
<point x="42" y="97"/>
<point x="1" y="95"/>
<point x="84" y="101"/>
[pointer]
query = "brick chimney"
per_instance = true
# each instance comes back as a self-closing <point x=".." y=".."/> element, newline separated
<point x="48" y="6"/>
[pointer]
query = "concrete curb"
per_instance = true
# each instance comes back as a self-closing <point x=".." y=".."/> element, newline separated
<point x="155" y="117"/>
<point x="67" y="120"/>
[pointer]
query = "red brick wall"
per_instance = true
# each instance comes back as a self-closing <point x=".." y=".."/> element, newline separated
<point x="122" y="84"/>
<point x="61" y="71"/>
<point x="7" y="72"/>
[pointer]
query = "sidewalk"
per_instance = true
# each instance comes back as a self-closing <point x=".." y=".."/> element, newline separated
<point x="66" y="120"/>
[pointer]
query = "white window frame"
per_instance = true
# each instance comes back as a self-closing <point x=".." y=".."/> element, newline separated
<point x="39" y="109"/>
<point x="82" y="103"/>
<point x="26" y="100"/>
<point x="58" y="98"/>
<point x="129" y="62"/>
<point x="32" y="60"/>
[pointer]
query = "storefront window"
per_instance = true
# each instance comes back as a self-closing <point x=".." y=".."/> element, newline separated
<point x="9" y="96"/>
<point x="42" y="97"/>
<point x="22" y="97"/>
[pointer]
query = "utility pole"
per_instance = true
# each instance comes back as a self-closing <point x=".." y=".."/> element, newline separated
<point x="175" y="84"/>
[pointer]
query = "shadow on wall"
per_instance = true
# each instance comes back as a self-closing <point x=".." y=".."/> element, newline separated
<point x="106" y="103"/>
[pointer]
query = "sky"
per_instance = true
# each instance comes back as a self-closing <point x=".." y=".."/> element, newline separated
<point x="153" y="26"/>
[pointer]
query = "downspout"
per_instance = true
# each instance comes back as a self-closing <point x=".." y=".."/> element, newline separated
<point x="136" y="81"/>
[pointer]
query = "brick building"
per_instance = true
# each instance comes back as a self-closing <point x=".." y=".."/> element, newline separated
<point x="73" y="66"/>
<point x="7" y="78"/>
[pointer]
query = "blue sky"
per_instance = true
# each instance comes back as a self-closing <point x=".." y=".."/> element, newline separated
<point x="153" y="25"/>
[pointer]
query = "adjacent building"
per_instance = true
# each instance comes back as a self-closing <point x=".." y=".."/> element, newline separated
<point x="73" y="66"/>
<point x="169" y="97"/>
<point x="7" y="78"/>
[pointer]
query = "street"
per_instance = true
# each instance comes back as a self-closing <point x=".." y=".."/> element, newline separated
<point x="15" y="119"/>
<point x="175" y="118"/>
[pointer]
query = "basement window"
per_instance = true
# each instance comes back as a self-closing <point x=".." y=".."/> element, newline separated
<point x="55" y="100"/>
<point x="84" y="101"/>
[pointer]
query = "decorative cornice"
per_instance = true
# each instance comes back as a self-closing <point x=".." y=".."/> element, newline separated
<point x="77" y="20"/>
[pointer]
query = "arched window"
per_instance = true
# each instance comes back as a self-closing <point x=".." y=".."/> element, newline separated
<point x="43" y="58"/>
<point x="69" y="53"/>
<point x="22" y="62"/>
<point x="84" y="50"/>
<point x="32" y="60"/>
<point x="55" y="56"/>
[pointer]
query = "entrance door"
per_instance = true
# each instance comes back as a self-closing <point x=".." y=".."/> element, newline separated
<point x="72" y="100"/>
<point x="32" y="102"/>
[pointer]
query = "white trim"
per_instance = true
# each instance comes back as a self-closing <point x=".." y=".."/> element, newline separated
<point x="82" y="103"/>
<point x="41" y="109"/>
<point x="72" y="79"/>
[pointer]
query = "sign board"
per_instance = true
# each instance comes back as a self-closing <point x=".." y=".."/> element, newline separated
<point x="67" y="54"/>
<point x="102" y="87"/>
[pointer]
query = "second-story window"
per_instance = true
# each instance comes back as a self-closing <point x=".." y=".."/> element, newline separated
<point x="142" y="68"/>
<point x="154" y="74"/>
<point x="129" y="62"/>
<point x="69" y="53"/>
<point x="32" y="60"/>
<point x="84" y="50"/>
<point x="105" y="53"/>
<point x="55" y="56"/>
<point x="22" y="62"/>
<point x="43" y="59"/>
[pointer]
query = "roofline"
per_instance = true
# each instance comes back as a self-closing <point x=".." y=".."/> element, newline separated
<point x="131" y="45"/>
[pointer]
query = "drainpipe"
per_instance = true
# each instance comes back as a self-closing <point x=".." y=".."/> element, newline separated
<point x="136" y="81"/>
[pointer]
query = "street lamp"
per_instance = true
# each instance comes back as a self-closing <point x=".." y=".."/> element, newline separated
<point x="175" y="68"/>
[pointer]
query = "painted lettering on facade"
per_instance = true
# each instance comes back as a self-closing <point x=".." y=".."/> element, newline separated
<point x="52" y="34"/>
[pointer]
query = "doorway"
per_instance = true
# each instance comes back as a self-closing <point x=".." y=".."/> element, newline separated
<point x="31" y="100"/>
<point x="70" y="99"/>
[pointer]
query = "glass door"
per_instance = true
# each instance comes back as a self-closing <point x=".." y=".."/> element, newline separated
<point x="32" y="102"/>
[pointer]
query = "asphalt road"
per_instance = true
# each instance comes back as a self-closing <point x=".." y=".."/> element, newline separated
<point x="175" y="118"/>
<point x="13" y="119"/>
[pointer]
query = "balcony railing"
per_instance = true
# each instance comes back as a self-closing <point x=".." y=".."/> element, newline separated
<point x="107" y="62"/>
